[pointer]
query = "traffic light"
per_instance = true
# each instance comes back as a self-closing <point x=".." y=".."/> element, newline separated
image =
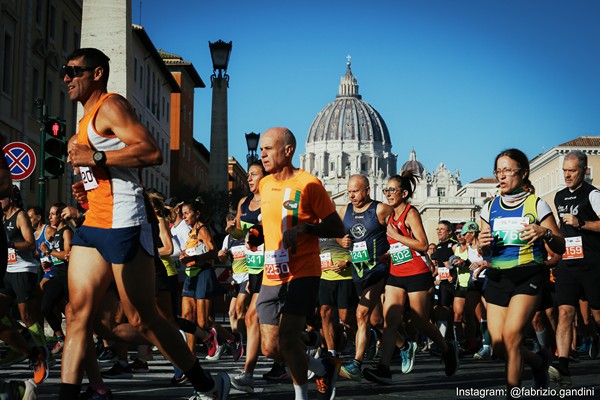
<point x="55" y="147"/>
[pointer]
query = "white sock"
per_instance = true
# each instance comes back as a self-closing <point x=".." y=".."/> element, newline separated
<point x="316" y="366"/>
<point x="301" y="391"/>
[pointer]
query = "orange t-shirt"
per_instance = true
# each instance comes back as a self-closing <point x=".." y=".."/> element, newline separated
<point x="285" y="204"/>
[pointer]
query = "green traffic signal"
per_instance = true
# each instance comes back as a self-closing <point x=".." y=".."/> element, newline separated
<point x="55" y="147"/>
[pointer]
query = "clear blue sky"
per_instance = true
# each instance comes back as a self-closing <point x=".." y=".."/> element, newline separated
<point x="457" y="80"/>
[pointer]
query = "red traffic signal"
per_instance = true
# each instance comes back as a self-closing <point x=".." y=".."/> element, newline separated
<point x="55" y="128"/>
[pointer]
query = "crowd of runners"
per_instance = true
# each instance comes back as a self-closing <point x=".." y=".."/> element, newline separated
<point x="321" y="291"/>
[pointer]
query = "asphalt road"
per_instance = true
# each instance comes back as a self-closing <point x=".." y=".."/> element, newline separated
<point x="426" y="381"/>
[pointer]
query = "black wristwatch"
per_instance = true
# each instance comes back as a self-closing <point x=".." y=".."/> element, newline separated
<point x="99" y="158"/>
<point x="548" y="236"/>
<point x="581" y="224"/>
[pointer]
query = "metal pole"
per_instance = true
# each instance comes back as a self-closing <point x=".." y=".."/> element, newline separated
<point x="39" y="103"/>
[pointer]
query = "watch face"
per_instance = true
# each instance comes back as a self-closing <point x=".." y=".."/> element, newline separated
<point x="99" y="157"/>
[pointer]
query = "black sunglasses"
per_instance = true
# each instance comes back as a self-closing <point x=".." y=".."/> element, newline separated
<point x="73" y="71"/>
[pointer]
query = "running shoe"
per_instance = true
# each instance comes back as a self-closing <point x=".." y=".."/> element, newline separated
<point x="371" y="349"/>
<point x="450" y="358"/>
<point x="218" y="353"/>
<point x="108" y="355"/>
<point x="541" y="377"/>
<point x="30" y="387"/>
<point x="58" y="346"/>
<point x="139" y="367"/>
<point x="219" y="392"/>
<point x="91" y="394"/>
<point x="574" y="356"/>
<point x="408" y="357"/>
<point x="178" y="378"/>
<point x="211" y="342"/>
<point x="351" y="370"/>
<point x="118" y="371"/>
<point x="39" y="366"/>
<point x="12" y="357"/>
<point x="243" y="382"/>
<point x="560" y="375"/>
<point x="326" y="383"/>
<point x="277" y="373"/>
<point x="99" y="348"/>
<point x="236" y="346"/>
<point x="594" y="349"/>
<point x="485" y="353"/>
<point x="381" y="374"/>
<point x="585" y="345"/>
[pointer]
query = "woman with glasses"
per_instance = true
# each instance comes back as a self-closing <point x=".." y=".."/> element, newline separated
<point x="517" y="228"/>
<point x="410" y="280"/>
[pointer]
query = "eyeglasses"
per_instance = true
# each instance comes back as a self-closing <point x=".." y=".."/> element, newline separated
<point x="390" y="190"/>
<point x="73" y="71"/>
<point x="506" y="171"/>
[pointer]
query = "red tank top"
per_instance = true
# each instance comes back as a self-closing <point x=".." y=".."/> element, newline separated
<point x="404" y="260"/>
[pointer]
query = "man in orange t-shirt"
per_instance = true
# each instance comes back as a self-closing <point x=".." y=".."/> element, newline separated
<point x="296" y="211"/>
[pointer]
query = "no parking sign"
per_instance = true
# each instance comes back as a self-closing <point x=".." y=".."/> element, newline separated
<point x="20" y="159"/>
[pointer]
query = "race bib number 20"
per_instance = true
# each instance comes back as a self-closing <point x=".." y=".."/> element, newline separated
<point x="88" y="179"/>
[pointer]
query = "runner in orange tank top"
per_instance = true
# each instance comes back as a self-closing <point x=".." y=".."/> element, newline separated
<point x="116" y="239"/>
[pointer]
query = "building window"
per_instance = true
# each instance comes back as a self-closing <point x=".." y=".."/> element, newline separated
<point x="65" y="35"/>
<point x="141" y="77"/>
<point x="135" y="69"/>
<point x="76" y="40"/>
<point x="38" y="12"/>
<point x="482" y="194"/>
<point x="52" y="23"/>
<point x="63" y="104"/>
<point x="441" y="192"/>
<point x="168" y="111"/>
<point x="147" y="87"/>
<point x="49" y="96"/>
<point x="35" y="89"/>
<point x="8" y="62"/>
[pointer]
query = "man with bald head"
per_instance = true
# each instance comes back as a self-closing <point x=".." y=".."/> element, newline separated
<point x="296" y="211"/>
<point x="365" y="221"/>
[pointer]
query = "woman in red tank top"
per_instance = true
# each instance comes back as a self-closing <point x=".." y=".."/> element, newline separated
<point x="410" y="279"/>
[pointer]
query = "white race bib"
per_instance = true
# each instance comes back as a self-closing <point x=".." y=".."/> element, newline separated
<point x="574" y="248"/>
<point x="87" y="176"/>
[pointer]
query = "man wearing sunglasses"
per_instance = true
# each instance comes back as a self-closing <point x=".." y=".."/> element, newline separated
<point x="115" y="241"/>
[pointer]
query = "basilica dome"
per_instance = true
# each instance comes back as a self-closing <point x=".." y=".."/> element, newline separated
<point x="413" y="165"/>
<point x="349" y="117"/>
<point x="349" y="137"/>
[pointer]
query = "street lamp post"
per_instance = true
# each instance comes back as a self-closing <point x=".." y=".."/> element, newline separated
<point x="218" y="175"/>
<point x="252" y="143"/>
